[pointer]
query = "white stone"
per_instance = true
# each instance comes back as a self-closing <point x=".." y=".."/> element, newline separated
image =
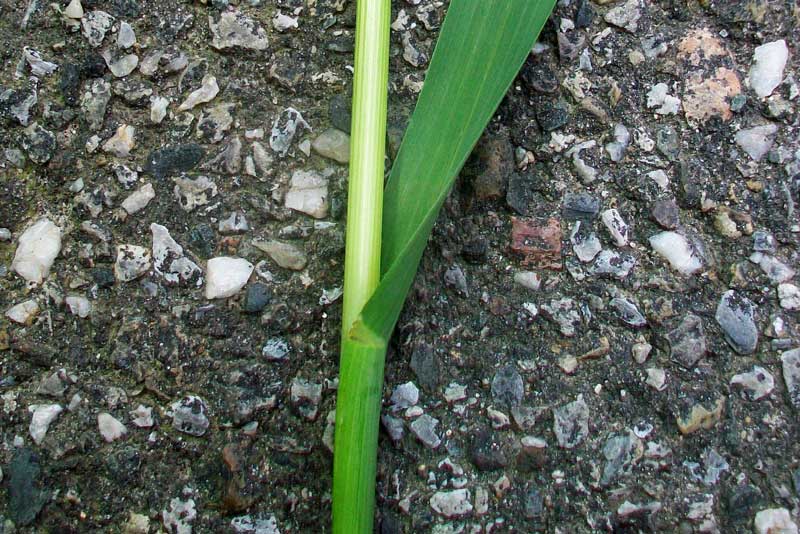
<point x="236" y="223"/>
<point x="775" y="521"/>
<point x="95" y="25"/>
<point x="777" y="271"/>
<point x="43" y="415"/>
<point x="39" y="67"/>
<point x="308" y="193"/>
<point x="616" y="226"/>
<point x="677" y="251"/>
<point x="37" y="250"/>
<point x="528" y="279"/>
<point x="756" y="141"/>
<point x="122" y="142"/>
<point x="74" y="10"/>
<point x="132" y="262"/>
<point x="659" y="177"/>
<point x="24" y="312"/>
<point x="193" y="193"/>
<point x="158" y="109"/>
<point x="452" y="504"/>
<point x="757" y="384"/>
<point x="226" y="276"/>
<point x="142" y="416"/>
<point x="206" y="93"/>
<point x="110" y="428"/>
<point x="656" y="378"/>
<point x="78" y="305"/>
<point x="169" y="260"/>
<point x="236" y="30"/>
<point x="139" y="199"/>
<point x="126" y="37"/>
<point x="658" y="97"/>
<point x="766" y="71"/>
<point x="121" y="66"/>
<point x="789" y="296"/>
<point x="283" y="22"/>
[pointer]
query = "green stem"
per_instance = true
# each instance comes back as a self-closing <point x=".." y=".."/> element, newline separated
<point x="362" y="359"/>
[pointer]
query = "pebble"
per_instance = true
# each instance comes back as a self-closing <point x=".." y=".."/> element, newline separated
<point x="174" y="160"/>
<point x="766" y="71"/>
<point x="122" y="142"/>
<point x="110" y="428"/>
<point x="257" y="297"/>
<point x="179" y="517"/>
<point x="121" y="65"/>
<point x="756" y="384"/>
<point x="284" y="130"/>
<point x="528" y="279"/>
<point x="777" y="271"/>
<point x="39" y="67"/>
<point x="687" y="341"/>
<point x="580" y="206"/>
<point x="659" y="98"/>
<point x="571" y="423"/>
<point x="661" y="179"/>
<point x="38" y="247"/>
<point x="308" y="193"/>
<point x="255" y="525"/>
<point x="142" y="416"/>
<point x="622" y="137"/>
<point x="24" y="312"/>
<point x="404" y="396"/>
<point x="74" y="10"/>
<point x="616" y="226"/>
<point x="656" y="378"/>
<point x="507" y="386"/>
<point x="640" y="352"/>
<point x="285" y="255"/>
<point x="774" y="521"/>
<point x="235" y="223"/>
<point x="305" y="397"/>
<point x="39" y="143"/>
<point x="194" y="193"/>
<point x="78" y="305"/>
<point x="625" y="16"/>
<point x="158" y="108"/>
<point x="676" y="249"/>
<point x="43" y="416"/>
<point x="666" y="213"/>
<point x="206" y="93"/>
<point x="611" y="263"/>
<point x="139" y="199"/>
<point x="621" y="452"/>
<point x="283" y="22"/>
<point x="27" y="494"/>
<point x="585" y="245"/>
<point x="789" y="296"/>
<point x="132" y="262"/>
<point x="169" y="260"/>
<point x="126" y="37"/>
<point x="699" y="415"/>
<point x="190" y="415"/>
<point x="756" y="141"/>
<point x="452" y="504"/>
<point x="424" y="428"/>
<point x="425" y="365"/>
<point x="627" y="312"/>
<point x="333" y="144"/>
<point x="790" y="361"/>
<point x="94" y="103"/>
<point x="214" y="122"/>
<point x="735" y="315"/>
<point x="539" y="241"/>
<point x="565" y="314"/>
<point x="275" y="349"/>
<point x="226" y="276"/>
<point x="94" y="26"/>
<point x="234" y="29"/>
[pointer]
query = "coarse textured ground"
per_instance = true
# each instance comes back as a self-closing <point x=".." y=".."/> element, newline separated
<point x="572" y="368"/>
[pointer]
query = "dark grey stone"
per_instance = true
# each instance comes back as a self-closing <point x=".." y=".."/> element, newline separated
<point x="486" y="451"/>
<point x="25" y="496"/>
<point x="666" y="213"/>
<point x="736" y="316"/>
<point x="507" y="386"/>
<point x="173" y="160"/>
<point x="257" y="297"/>
<point x="687" y="341"/>
<point x="425" y="365"/>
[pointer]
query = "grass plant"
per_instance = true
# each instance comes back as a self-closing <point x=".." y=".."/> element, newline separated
<point x="481" y="47"/>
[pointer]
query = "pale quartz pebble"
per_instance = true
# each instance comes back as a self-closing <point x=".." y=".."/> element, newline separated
<point x="775" y="521"/>
<point x="756" y="141"/>
<point x="169" y="260"/>
<point x="206" y="93"/>
<point x="283" y="22"/>
<point x="139" y="199"/>
<point x="110" y="428"/>
<point x="789" y="296"/>
<point x="452" y="504"/>
<point x="193" y="193"/>
<point x="756" y="384"/>
<point x="262" y="158"/>
<point x="39" y="67"/>
<point x="677" y="251"/>
<point x="37" y="250"/>
<point x="333" y="144"/>
<point x="126" y="37"/>
<point x="766" y="72"/>
<point x="659" y="177"/>
<point x="158" y="109"/>
<point x="656" y="378"/>
<point x="122" y="142"/>
<point x="308" y="193"/>
<point x="528" y="279"/>
<point x="24" y="312"/>
<point x="74" y="10"/>
<point x="43" y="416"/>
<point x="132" y="262"/>
<point x="616" y="226"/>
<point x="142" y="416"/>
<point x="234" y="29"/>
<point x="659" y="98"/>
<point x="121" y="66"/>
<point x="226" y="276"/>
<point x="78" y="305"/>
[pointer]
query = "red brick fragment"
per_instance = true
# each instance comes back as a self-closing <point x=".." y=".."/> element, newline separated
<point x="538" y="241"/>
